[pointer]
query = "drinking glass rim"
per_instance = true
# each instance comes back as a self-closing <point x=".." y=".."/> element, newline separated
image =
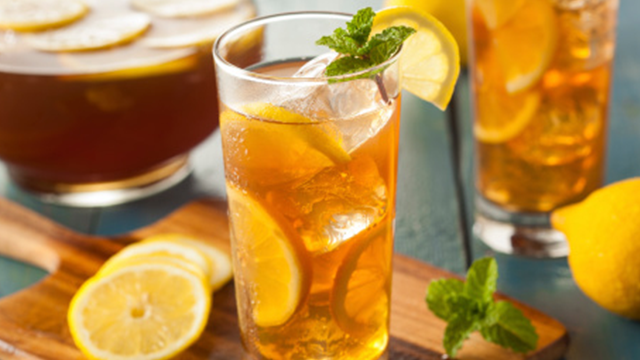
<point x="248" y="74"/>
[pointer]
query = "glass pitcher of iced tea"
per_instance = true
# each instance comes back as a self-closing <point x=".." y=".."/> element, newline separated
<point x="101" y="101"/>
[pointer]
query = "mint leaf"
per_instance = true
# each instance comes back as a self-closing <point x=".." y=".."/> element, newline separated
<point x="469" y="306"/>
<point x="383" y="45"/>
<point x="360" y="26"/>
<point x="457" y="331"/>
<point x="354" y="43"/>
<point x="481" y="280"/>
<point x="341" y="42"/>
<point x="507" y="326"/>
<point x="347" y="65"/>
<point x="438" y="295"/>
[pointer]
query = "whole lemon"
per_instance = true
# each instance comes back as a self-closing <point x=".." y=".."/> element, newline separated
<point x="451" y="13"/>
<point x="603" y="232"/>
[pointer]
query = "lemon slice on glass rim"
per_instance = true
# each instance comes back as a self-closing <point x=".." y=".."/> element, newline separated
<point x="99" y="34"/>
<point x="36" y="15"/>
<point x="430" y="59"/>
<point x="149" y="310"/>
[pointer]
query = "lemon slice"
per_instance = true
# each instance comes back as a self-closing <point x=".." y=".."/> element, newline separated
<point x="297" y="146"/>
<point x="93" y="35"/>
<point x="205" y="33"/>
<point x="183" y="8"/>
<point x="500" y="119"/>
<point x="497" y="12"/>
<point x="163" y="248"/>
<point x="360" y="298"/>
<point x="429" y="61"/>
<point x="270" y="256"/>
<point x="145" y="311"/>
<point x="35" y="15"/>
<point x="221" y="271"/>
<point x="526" y="44"/>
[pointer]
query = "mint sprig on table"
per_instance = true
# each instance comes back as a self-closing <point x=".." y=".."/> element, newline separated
<point x="358" y="52"/>
<point x="469" y="306"/>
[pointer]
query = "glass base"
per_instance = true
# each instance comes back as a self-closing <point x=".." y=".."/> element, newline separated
<point x="526" y="234"/>
<point x="111" y="192"/>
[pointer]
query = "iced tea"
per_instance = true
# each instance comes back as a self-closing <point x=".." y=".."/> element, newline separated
<point x="120" y="116"/>
<point x="541" y="75"/>
<point x="311" y="178"/>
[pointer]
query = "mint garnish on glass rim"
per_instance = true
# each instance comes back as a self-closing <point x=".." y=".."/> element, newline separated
<point x="469" y="306"/>
<point x="357" y="51"/>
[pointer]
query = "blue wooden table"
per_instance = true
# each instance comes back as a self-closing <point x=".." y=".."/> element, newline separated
<point x="428" y="213"/>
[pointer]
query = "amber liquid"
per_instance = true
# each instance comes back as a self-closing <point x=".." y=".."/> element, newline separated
<point x="109" y="114"/>
<point x="558" y="156"/>
<point x="342" y="215"/>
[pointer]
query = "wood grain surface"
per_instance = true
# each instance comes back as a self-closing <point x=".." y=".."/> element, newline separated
<point x="33" y="321"/>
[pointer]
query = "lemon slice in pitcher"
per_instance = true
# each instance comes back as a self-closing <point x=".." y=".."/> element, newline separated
<point x="93" y="35"/>
<point x="146" y="311"/>
<point x="430" y="60"/>
<point x="35" y="15"/>
<point x="271" y="256"/>
<point x="183" y="8"/>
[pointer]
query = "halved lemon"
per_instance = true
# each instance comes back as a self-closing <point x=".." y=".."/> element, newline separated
<point x="525" y="45"/>
<point x="360" y="298"/>
<point x="36" y="15"/>
<point x="430" y="60"/>
<point x="498" y="12"/>
<point x="271" y="259"/>
<point x="93" y="35"/>
<point x="148" y="250"/>
<point x="146" y="311"/>
<point x="183" y="8"/>
<point x="220" y="261"/>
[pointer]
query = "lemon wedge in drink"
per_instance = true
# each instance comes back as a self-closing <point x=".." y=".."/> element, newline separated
<point x="525" y="45"/>
<point x="497" y="12"/>
<point x="297" y="146"/>
<point x="183" y="8"/>
<point x="359" y="300"/>
<point x="430" y="60"/>
<point x="149" y="310"/>
<point x="221" y="271"/>
<point x="36" y="15"/>
<point x="271" y="255"/>
<point x="501" y="118"/>
<point x="159" y="248"/>
<point x="93" y="35"/>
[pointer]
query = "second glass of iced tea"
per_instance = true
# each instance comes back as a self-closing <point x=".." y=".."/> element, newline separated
<point x="310" y="166"/>
<point x="541" y="72"/>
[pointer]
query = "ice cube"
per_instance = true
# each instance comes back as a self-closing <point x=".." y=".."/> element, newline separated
<point x="586" y="33"/>
<point x="335" y="205"/>
<point x="316" y="66"/>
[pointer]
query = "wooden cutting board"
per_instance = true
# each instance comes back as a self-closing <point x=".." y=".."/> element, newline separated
<point x="33" y="321"/>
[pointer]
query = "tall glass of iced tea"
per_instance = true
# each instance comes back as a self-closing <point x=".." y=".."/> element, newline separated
<point x="310" y="165"/>
<point x="101" y="101"/>
<point x="541" y="73"/>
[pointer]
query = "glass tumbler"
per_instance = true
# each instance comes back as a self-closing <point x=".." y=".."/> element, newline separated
<point x="310" y="166"/>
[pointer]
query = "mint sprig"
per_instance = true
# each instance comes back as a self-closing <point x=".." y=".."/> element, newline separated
<point x="469" y="306"/>
<point x="358" y="51"/>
